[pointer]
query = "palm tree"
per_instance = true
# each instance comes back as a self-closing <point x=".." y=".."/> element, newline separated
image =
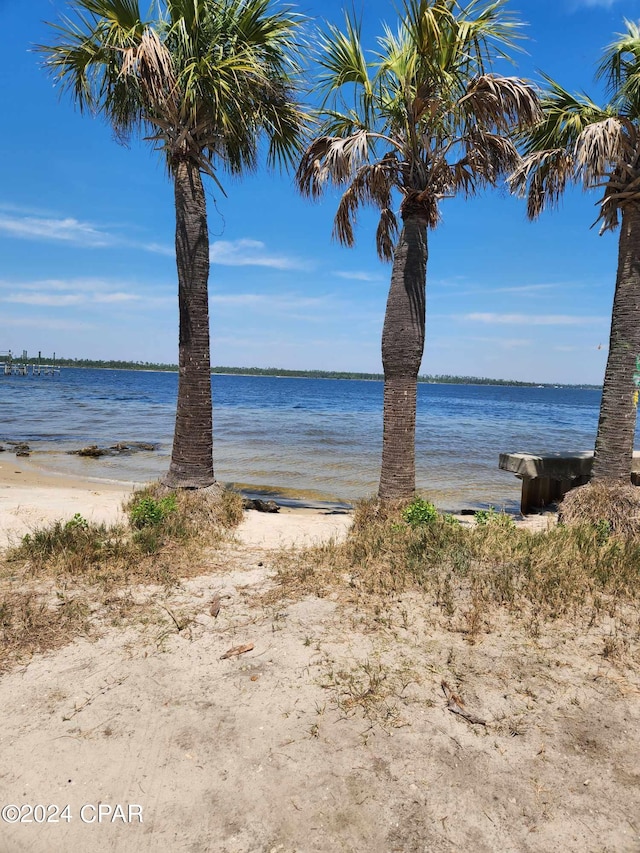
<point x="206" y="80"/>
<point x="424" y="118"/>
<point x="599" y="146"/>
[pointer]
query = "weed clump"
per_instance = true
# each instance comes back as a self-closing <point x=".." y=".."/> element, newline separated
<point x="165" y="538"/>
<point x="468" y="570"/>
<point x="612" y="508"/>
<point x="158" y="521"/>
<point x="488" y="517"/>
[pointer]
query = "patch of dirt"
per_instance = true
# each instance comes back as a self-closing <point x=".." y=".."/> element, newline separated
<point x="333" y="733"/>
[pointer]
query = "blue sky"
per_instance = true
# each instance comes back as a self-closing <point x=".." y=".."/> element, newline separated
<point x="87" y="228"/>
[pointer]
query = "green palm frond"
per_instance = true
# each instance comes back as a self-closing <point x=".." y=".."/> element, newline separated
<point x="342" y="60"/>
<point x="565" y="116"/>
<point x="620" y="69"/>
<point x="431" y="112"/>
<point x="205" y="79"/>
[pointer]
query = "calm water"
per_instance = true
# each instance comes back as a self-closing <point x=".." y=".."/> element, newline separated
<point x="302" y="438"/>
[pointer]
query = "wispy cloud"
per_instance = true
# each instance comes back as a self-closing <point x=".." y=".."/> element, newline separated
<point x="58" y="300"/>
<point x="66" y="230"/>
<point x="356" y="275"/>
<point x="277" y="303"/>
<point x="113" y="298"/>
<point x="524" y="288"/>
<point x="530" y="319"/>
<point x="48" y="323"/>
<point x="158" y="249"/>
<point x="245" y="252"/>
<point x="591" y="4"/>
<point x="25" y="224"/>
<point x="58" y="293"/>
<point x="504" y="343"/>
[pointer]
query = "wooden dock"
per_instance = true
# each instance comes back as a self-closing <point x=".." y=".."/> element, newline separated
<point x="11" y="366"/>
<point x="18" y="369"/>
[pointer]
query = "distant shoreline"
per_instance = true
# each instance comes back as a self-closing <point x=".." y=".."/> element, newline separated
<point x="438" y="379"/>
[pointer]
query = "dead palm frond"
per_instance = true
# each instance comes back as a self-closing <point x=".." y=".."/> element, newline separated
<point x="542" y="178"/>
<point x="577" y="140"/>
<point x="503" y="103"/>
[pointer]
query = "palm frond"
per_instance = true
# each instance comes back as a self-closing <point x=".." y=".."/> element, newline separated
<point x="386" y="234"/>
<point x="346" y="216"/>
<point x="542" y="177"/>
<point x="565" y="116"/>
<point x="341" y="58"/>
<point x="372" y="185"/>
<point x="502" y="103"/>
<point x="330" y="158"/>
<point x="203" y="80"/>
<point x="620" y="67"/>
<point x="603" y="145"/>
<point x="489" y="156"/>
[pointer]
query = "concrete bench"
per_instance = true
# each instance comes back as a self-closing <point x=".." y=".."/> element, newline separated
<point x="548" y="478"/>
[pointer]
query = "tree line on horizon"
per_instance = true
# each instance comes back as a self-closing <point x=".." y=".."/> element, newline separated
<point x="434" y="379"/>
<point x="422" y="119"/>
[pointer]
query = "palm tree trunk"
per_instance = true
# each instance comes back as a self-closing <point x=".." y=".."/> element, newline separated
<point x="618" y="409"/>
<point x="402" y="348"/>
<point x="192" y="456"/>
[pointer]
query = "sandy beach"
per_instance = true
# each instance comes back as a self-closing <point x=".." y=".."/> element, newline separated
<point x="333" y="732"/>
<point x="30" y="497"/>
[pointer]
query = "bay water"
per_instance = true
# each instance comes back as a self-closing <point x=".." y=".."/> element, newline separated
<point x="300" y="440"/>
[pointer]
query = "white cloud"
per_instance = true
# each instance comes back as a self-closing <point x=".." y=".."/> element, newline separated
<point x="530" y="319"/>
<point x="524" y="288"/>
<point x="245" y="252"/>
<point x="358" y="276"/>
<point x="48" y="323"/>
<point x="159" y="249"/>
<point x="29" y="225"/>
<point x="20" y="224"/>
<point x="592" y="4"/>
<point x="504" y="343"/>
<point x="60" y="294"/>
<point x="58" y="300"/>
<point x="66" y="230"/>
<point x="275" y="303"/>
<point x="110" y="298"/>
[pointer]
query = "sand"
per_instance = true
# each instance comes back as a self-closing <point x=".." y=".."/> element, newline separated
<point x="30" y="498"/>
<point x="331" y="734"/>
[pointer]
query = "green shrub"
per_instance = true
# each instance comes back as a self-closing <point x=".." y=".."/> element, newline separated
<point x="151" y="512"/>
<point x="78" y="522"/>
<point x="485" y="517"/>
<point x="420" y="512"/>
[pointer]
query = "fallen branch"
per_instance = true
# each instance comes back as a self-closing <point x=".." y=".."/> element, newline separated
<point x="237" y="650"/>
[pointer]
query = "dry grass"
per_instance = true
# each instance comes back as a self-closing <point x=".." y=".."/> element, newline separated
<point x="373" y="688"/>
<point x="611" y="507"/>
<point x="70" y="568"/>
<point x="30" y="624"/>
<point x="469" y="571"/>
